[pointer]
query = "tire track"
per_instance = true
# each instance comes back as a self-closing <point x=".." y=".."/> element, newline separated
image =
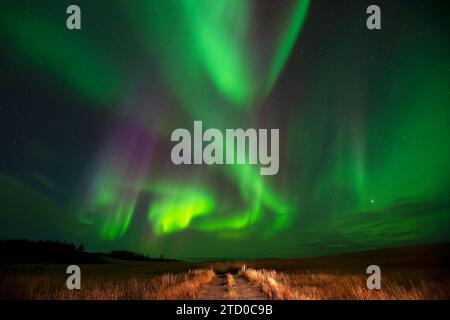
<point x="241" y="288"/>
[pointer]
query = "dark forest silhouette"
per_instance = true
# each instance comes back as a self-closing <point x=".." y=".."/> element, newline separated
<point x="49" y="251"/>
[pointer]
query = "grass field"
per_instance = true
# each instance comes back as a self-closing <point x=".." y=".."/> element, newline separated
<point x="397" y="285"/>
<point x="130" y="280"/>
<point x="407" y="273"/>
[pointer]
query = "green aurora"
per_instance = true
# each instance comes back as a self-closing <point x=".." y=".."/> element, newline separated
<point x="364" y="119"/>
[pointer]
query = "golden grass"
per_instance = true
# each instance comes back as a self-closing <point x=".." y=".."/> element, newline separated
<point x="319" y="286"/>
<point x="39" y="283"/>
<point x="267" y="281"/>
<point x="169" y="286"/>
<point x="231" y="289"/>
<point x="184" y="290"/>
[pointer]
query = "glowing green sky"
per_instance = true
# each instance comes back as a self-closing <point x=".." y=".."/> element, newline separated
<point x="364" y="119"/>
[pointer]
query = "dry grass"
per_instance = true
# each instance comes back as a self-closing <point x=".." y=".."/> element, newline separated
<point x="318" y="286"/>
<point x="136" y="280"/>
<point x="185" y="290"/>
<point x="231" y="287"/>
<point x="276" y="285"/>
<point x="168" y="286"/>
<point x="267" y="281"/>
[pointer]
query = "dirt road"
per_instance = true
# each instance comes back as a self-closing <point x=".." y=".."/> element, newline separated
<point x="220" y="289"/>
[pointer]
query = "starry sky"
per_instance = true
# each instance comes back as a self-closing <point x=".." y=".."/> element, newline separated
<point x="364" y="118"/>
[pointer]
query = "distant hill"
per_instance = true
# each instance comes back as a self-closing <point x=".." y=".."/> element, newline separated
<point x="417" y="256"/>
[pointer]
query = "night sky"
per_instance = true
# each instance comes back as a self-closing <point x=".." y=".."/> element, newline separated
<point x="364" y="118"/>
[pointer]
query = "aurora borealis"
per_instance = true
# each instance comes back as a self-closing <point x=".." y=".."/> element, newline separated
<point x="364" y="120"/>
